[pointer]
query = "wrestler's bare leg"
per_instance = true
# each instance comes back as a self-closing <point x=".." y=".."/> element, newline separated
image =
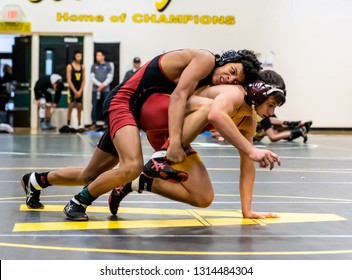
<point x="196" y="191"/>
<point x="128" y="146"/>
<point x="34" y="182"/>
<point x="75" y="176"/>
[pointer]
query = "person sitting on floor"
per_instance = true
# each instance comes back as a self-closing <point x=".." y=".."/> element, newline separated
<point x="277" y="129"/>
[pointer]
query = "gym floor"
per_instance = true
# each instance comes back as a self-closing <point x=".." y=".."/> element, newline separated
<point x="311" y="191"/>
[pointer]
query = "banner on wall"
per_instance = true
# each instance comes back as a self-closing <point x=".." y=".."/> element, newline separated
<point x="141" y="18"/>
<point x="12" y="19"/>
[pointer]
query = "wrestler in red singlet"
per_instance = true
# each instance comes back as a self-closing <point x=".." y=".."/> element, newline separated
<point x="124" y="103"/>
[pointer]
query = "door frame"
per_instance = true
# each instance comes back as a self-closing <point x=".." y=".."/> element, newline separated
<point x="88" y="54"/>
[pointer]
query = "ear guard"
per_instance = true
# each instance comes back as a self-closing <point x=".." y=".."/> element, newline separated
<point x="259" y="91"/>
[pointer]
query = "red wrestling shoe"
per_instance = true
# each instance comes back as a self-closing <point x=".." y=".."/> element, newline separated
<point x="158" y="168"/>
<point x="116" y="197"/>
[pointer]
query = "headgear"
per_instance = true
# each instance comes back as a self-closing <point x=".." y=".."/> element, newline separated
<point x="259" y="91"/>
<point x="229" y="56"/>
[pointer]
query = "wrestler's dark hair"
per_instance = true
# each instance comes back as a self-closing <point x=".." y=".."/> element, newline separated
<point x="251" y="64"/>
<point x="274" y="79"/>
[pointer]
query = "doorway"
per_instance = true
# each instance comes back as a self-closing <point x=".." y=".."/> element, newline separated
<point x="55" y="53"/>
<point x="16" y="52"/>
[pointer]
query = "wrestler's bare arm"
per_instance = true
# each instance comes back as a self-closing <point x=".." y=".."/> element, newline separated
<point x="186" y="68"/>
<point x="247" y="178"/>
<point x="69" y="80"/>
<point x="228" y="100"/>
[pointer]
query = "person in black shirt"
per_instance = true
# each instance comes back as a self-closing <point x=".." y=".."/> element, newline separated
<point x="43" y="97"/>
<point x="136" y="66"/>
<point x="6" y="92"/>
<point x="75" y="75"/>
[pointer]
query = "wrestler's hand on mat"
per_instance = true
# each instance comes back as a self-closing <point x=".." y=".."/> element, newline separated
<point x="175" y="154"/>
<point x="257" y="215"/>
<point x="265" y="158"/>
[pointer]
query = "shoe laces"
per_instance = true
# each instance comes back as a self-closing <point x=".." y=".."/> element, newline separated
<point x="157" y="165"/>
<point x="76" y="207"/>
<point x="36" y="194"/>
<point x="33" y="194"/>
<point x="121" y="193"/>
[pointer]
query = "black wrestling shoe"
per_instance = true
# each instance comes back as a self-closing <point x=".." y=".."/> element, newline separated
<point x="75" y="210"/>
<point x="33" y="195"/>
<point x="307" y="125"/>
<point x="158" y="168"/>
<point x="293" y="124"/>
<point x="116" y="197"/>
<point x="300" y="132"/>
<point x="305" y="137"/>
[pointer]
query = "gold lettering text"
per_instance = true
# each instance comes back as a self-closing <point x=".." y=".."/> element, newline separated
<point x="162" y="5"/>
<point x="79" y="18"/>
<point x="120" y="18"/>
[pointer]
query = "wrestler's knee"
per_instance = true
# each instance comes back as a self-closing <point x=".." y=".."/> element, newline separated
<point x="132" y="169"/>
<point x="88" y="177"/>
<point x="204" y="200"/>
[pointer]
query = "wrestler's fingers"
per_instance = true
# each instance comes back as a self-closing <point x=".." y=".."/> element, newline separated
<point x="271" y="215"/>
<point x="272" y="164"/>
<point x="264" y="163"/>
<point x="276" y="158"/>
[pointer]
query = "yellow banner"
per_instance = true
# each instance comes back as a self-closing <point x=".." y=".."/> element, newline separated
<point x="12" y="27"/>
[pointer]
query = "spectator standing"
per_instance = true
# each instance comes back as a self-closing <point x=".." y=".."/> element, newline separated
<point x="75" y="75"/>
<point x="136" y="66"/>
<point x="101" y="74"/>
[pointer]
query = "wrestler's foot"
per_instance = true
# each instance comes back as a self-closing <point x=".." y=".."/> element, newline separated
<point x="300" y="132"/>
<point x="304" y="135"/>
<point x="75" y="210"/>
<point x="307" y="125"/>
<point x="33" y="195"/>
<point x="158" y="168"/>
<point x="292" y="124"/>
<point x="116" y="196"/>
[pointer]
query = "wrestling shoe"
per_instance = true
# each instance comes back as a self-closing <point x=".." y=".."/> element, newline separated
<point x="292" y="124"/>
<point x="116" y="196"/>
<point x="32" y="194"/>
<point x="75" y="210"/>
<point x="300" y="132"/>
<point x="305" y="137"/>
<point x="158" y="168"/>
<point x="307" y="125"/>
